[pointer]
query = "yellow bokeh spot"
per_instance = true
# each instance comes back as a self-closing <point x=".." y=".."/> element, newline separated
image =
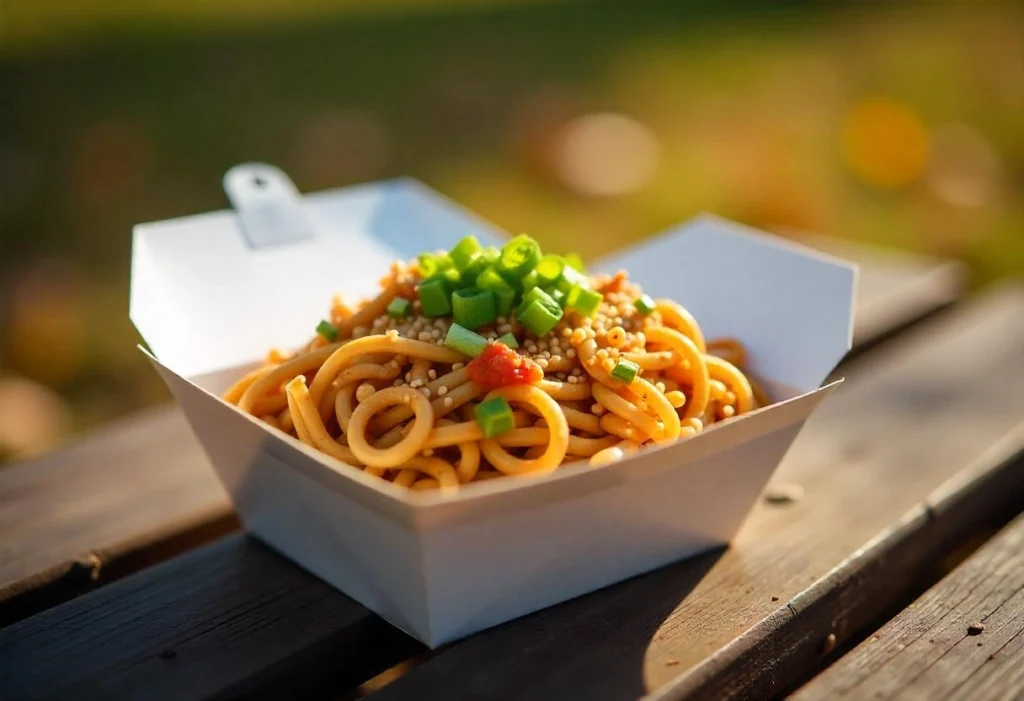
<point x="885" y="144"/>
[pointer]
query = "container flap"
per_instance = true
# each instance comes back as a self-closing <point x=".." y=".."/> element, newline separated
<point x="219" y="289"/>
<point x="791" y="306"/>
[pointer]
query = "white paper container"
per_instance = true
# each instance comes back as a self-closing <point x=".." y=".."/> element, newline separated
<point x="211" y="293"/>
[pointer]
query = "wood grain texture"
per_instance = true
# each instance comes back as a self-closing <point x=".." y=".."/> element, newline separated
<point x="229" y="619"/>
<point x="904" y="423"/>
<point x="909" y="417"/>
<point x="138" y="490"/>
<point x="142" y="489"/>
<point x="928" y="651"/>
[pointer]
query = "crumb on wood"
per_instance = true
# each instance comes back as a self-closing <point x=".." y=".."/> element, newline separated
<point x="775" y="598"/>
<point x="783" y="493"/>
<point x="671" y="663"/>
<point x="975" y="628"/>
<point x="829" y="645"/>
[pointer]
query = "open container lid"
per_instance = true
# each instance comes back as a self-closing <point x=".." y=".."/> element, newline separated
<point x="218" y="290"/>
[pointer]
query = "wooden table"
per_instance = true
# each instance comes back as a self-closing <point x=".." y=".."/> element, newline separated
<point x="121" y="575"/>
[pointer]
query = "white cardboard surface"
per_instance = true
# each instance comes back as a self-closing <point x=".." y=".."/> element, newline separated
<point x="441" y="567"/>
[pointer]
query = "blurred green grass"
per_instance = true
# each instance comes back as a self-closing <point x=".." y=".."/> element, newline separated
<point x="135" y="117"/>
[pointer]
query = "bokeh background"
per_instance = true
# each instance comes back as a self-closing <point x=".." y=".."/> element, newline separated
<point x="588" y="124"/>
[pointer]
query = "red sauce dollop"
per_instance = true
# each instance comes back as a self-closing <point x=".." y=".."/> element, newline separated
<point x="499" y="366"/>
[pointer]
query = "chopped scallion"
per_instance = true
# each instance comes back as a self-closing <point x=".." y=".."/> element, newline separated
<point x="584" y="301"/>
<point x="435" y="297"/>
<point x="327" y="330"/>
<point x="519" y="256"/>
<point x="467" y="342"/>
<point x="473" y="308"/>
<point x="571" y="278"/>
<point x="509" y="340"/>
<point x="644" y="304"/>
<point x="540" y="315"/>
<point x="494" y="416"/>
<point x="471" y="272"/>
<point x="492" y="254"/>
<point x="430" y="264"/>
<point x="399" y="308"/>
<point x="462" y="252"/>
<point x="625" y="371"/>
<point x="504" y="295"/>
<point x="549" y="270"/>
<point x="530" y="296"/>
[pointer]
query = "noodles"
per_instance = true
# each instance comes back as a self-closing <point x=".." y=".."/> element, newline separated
<point x="585" y="369"/>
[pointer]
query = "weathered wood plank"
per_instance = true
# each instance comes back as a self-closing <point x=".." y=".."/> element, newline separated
<point x="142" y="490"/>
<point x="910" y="417"/>
<point x="138" y="491"/>
<point x="904" y="423"/>
<point x="929" y="652"/>
<point x="215" y="631"/>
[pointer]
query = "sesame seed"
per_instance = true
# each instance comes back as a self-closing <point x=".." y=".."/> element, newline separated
<point x="458" y="366"/>
<point x="573" y="379"/>
<point x="597" y="409"/>
<point x="448" y="402"/>
<point x="442" y="390"/>
<point x="426" y="392"/>
<point x="432" y="374"/>
<point x="428" y="452"/>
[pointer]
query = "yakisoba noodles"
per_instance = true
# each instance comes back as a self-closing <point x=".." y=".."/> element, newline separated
<point x="479" y="363"/>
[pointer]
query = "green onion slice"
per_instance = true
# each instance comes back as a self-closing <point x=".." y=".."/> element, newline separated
<point x="504" y="295"/>
<point x="494" y="416"/>
<point x="467" y="342"/>
<point x="549" y="270"/>
<point x="644" y="304"/>
<point x="435" y="297"/>
<point x="572" y="278"/>
<point x="509" y="340"/>
<point x="532" y="295"/>
<point x="540" y="315"/>
<point x="473" y="308"/>
<point x="625" y="370"/>
<point x="519" y="256"/>
<point x="462" y="252"/>
<point x="584" y="301"/>
<point x="327" y="330"/>
<point x="399" y="308"/>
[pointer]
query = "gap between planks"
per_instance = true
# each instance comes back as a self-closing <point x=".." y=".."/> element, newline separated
<point x="614" y="643"/>
<point x="934" y="648"/>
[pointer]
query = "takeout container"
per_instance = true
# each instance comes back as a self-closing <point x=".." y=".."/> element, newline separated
<point x="212" y="293"/>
